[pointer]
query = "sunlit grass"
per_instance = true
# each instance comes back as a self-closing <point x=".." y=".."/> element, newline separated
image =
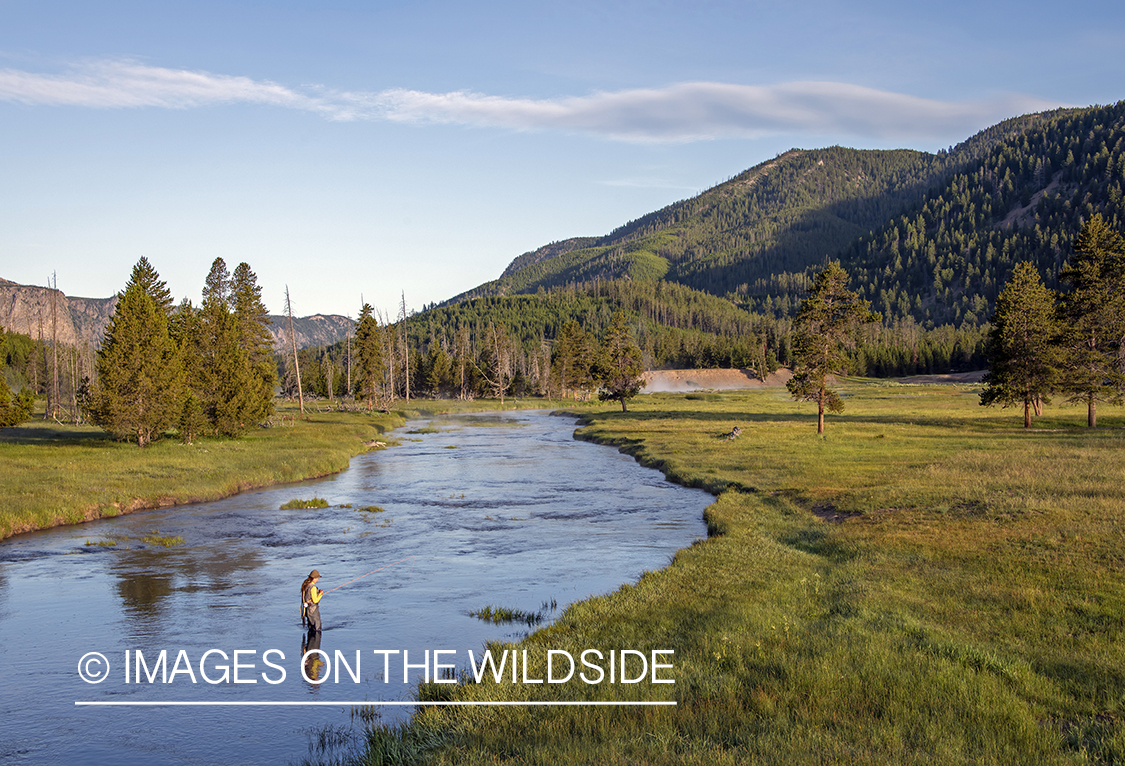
<point x="56" y="474"/>
<point x="928" y="584"/>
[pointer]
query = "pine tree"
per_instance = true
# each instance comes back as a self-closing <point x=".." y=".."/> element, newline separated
<point x="139" y="370"/>
<point x="254" y="337"/>
<point x="368" y="363"/>
<point x="439" y="369"/>
<point x="574" y="354"/>
<point x="145" y="277"/>
<point x="227" y="386"/>
<point x="1094" y="310"/>
<point x="186" y="329"/>
<point x="824" y="326"/>
<point x="1023" y="352"/>
<point x="14" y="409"/>
<point x="618" y="367"/>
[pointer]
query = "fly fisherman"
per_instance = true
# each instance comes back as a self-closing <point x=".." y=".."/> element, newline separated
<point x="310" y="601"/>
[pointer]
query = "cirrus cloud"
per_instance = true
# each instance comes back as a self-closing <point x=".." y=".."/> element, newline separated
<point x="681" y="112"/>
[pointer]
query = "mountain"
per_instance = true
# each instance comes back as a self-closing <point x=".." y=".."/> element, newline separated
<point x="81" y="322"/>
<point x="932" y="237"/>
<point x="28" y="309"/>
<point x="315" y="330"/>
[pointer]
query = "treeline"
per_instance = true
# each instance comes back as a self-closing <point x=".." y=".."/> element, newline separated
<point x="384" y="363"/>
<point x="452" y="350"/>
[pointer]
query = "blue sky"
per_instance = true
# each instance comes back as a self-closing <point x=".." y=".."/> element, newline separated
<point x="354" y="149"/>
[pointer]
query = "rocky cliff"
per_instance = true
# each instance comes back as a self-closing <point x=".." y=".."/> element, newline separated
<point x="82" y="321"/>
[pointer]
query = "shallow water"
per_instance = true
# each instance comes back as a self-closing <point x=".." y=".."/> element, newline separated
<point x="501" y="510"/>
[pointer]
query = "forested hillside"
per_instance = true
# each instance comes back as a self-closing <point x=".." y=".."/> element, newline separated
<point x="929" y="236"/>
<point x="947" y="258"/>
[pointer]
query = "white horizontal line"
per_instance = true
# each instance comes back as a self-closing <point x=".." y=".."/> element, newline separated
<point x="182" y="703"/>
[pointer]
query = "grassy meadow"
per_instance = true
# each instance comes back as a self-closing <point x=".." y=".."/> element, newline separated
<point x="927" y="584"/>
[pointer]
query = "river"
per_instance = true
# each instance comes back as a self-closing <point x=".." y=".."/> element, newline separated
<point x="467" y="512"/>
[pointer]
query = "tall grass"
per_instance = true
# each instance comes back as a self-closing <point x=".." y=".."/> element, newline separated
<point x="928" y="584"/>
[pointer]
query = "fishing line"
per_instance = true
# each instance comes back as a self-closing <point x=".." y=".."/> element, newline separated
<point x="373" y="571"/>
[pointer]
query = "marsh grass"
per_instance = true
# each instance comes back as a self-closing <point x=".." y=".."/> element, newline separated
<point x="297" y="504"/>
<point x="502" y="615"/>
<point x="57" y="474"/>
<point x="928" y="584"/>
<point x="163" y="541"/>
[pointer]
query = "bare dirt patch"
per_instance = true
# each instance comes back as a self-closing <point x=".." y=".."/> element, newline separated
<point x="951" y="377"/>
<point x="674" y="381"/>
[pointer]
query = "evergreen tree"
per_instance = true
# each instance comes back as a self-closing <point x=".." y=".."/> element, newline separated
<point x="252" y="321"/>
<point x="367" y="355"/>
<point x="573" y="359"/>
<point x="145" y="277"/>
<point x="1023" y="355"/>
<point x="228" y="386"/>
<point x="186" y="329"/>
<point x="1094" y="310"/>
<point x="139" y="370"/>
<point x="14" y="409"/>
<point x="439" y="370"/>
<point x="824" y="326"/>
<point x="619" y="367"/>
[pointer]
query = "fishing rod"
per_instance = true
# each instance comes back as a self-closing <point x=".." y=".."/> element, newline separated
<point x="373" y="571"/>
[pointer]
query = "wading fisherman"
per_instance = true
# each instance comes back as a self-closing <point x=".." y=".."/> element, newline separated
<point x="310" y="601"/>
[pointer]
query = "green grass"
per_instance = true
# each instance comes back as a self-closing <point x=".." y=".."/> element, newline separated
<point x="163" y="541"/>
<point x="55" y="474"/>
<point x="502" y="615"/>
<point x="297" y="503"/>
<point x="928" y="584"/>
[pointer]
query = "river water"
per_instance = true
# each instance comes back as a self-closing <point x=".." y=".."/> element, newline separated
<point x="505" y="510"/>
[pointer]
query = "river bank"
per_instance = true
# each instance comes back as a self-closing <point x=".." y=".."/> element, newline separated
<point x="62" y="474"/>
<point x="57" y="474"/>
<point x="929" y="584"/>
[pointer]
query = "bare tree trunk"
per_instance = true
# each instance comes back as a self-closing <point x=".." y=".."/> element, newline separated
<point x="46" y="387"/>
<point x="293" y="345"/>
<point x="820" y="412"/>
<point x="54" y="399"/>
<point x="405" y="349"/>
<point x="389" y="353"/>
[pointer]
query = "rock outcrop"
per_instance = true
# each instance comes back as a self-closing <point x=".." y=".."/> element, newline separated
<point x="82" y="321"/>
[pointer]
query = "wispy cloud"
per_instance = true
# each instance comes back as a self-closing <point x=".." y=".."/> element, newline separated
<point x="116" y="84"/>
<point x="681" y="112"/>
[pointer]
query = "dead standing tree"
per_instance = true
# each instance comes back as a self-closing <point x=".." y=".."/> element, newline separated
<point x="293" y="345"/>
<point x="497" y="357"/>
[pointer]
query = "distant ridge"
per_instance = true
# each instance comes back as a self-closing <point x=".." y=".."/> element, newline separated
<point x="930" y="237"/>
<point x="82" y="321"/>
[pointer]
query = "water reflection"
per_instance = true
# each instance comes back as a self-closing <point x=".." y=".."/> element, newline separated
<point x="314" y="665"/>
<point x="148" y="578"/>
